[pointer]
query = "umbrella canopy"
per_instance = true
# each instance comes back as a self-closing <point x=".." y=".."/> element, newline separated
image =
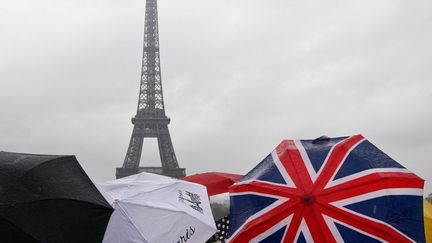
<point x="154" y="208"/>
<point x="48" y="198"/>
<point x="427" y="208"/>
<point x="216" y="182"/>
<point x="327" y="190"/>
<point x="222" y="225"/>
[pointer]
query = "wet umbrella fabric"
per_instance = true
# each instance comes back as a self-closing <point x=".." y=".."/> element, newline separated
<point x="216" y="182"/>
<point x="222" y="225"/>
<point x="154" y="208"/>
<point x="327" y="190"/>
<point x="48" y="198"/>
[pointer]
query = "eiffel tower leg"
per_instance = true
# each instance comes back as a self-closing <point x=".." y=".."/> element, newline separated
<point x="133" y="154"/>
<point x="166" y="151"/>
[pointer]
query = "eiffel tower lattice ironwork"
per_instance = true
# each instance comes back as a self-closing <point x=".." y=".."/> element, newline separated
<point x="150" y="120"/>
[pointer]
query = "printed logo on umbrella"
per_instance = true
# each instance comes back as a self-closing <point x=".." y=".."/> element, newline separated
<point x="191" y="199"/>
<point x="187" y="236"/>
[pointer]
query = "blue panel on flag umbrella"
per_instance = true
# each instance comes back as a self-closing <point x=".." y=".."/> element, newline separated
<point x="349" y="235"/>
<point x="301" y="238"/>
<point x="365" y="156"/>
<point x="317" y="152"/>
<point x="243" y="206"/>
<point x="388" y="209"/>
<point x="275" y="237"/>
<point x="265" y="171"/>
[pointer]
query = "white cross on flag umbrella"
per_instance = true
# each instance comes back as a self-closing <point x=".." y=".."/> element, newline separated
<point x="154" y="208"/>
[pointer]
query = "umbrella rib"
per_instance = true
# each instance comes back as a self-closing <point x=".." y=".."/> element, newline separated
<point x="292" y="161"/>
<point x="317" y="225"/>
<point x="370" y="183"/>
<point x="6" y="190"/>
<point x="129" y="218"/>
<point x="160" y="208"/>
<point x="335" y="159"/>
<point x="57" y="199"/>
<point x="264" y="222"/>
<point x="294" y="226"/>
<point x="161" y="187"/>
<point x="141" y="204"/>
<point x="16" y="226"/>
<point x="375" y="228"/>
<point x="264" y="187"/>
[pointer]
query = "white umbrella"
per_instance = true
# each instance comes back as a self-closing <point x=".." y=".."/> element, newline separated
<point x="154" y="208"/>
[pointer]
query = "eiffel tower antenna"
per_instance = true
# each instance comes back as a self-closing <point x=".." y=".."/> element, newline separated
<point x="150" y="120"/>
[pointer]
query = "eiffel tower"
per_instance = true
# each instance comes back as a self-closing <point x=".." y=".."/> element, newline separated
<point x="150" y="120"/>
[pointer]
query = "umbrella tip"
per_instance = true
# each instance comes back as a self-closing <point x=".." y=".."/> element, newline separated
<point x="308" y="199"/>
<point x="322" y="139"/>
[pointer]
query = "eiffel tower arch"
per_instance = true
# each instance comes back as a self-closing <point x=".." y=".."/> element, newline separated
<point x="150" y="120"/>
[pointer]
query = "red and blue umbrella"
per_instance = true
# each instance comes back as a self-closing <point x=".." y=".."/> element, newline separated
<point x="327" y="190"/>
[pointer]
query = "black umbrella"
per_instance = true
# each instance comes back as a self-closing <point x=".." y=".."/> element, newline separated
<point x="49" y="198"/>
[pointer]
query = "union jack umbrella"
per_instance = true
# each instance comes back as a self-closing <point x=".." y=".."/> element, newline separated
<point x="327" y="190"/>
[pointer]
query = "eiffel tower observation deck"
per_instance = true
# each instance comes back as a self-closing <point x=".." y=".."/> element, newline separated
<point x="150" y="120"/>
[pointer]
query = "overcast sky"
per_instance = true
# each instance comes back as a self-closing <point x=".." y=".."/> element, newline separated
<point x="238" y="77"/>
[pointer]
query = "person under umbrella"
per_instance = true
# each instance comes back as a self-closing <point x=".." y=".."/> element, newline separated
<point x="49" y="199"/>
